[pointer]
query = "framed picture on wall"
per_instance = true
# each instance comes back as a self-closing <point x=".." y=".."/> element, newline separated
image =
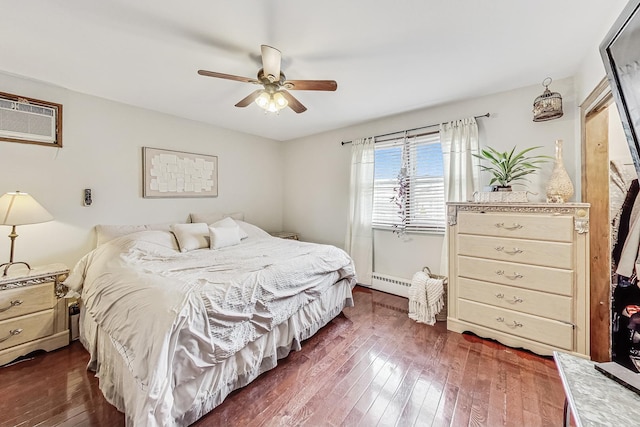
<point x="168" y="173"/>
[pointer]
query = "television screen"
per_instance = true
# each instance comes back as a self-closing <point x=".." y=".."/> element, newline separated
<point x="620" y="53"/>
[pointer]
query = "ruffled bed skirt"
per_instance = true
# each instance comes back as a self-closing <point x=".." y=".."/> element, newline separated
<point x="194" y="398"/>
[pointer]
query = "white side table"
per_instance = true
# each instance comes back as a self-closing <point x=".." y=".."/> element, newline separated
<point x="33" y="311"/>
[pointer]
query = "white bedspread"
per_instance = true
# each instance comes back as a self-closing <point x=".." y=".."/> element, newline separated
<point x="172" y="315"/>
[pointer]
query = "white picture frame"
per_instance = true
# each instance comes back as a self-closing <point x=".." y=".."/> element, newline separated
<point x="178" y="174"/>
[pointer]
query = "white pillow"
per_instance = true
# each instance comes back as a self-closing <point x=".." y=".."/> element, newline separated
<point x="228" y="222"/>
<point x="191" y="236"/>
<point x="158" y="237"/>
<point x="222" y="237"/>
<point x="252" y="231"/>
<point x="211" y="217"/>
<point x="105" y="233"/>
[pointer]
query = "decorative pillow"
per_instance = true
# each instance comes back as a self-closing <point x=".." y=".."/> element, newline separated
<point x="252" y="231"/>
<point x="211" y="217"/>
<point x="191" y="236"/>
<point x="105" y="233"/>
<point x="158" y="237"/>
<point x="228" y="222"/>
<point x="222" y="237"/>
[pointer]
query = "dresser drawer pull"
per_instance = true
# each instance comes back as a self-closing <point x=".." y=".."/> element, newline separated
<point x="515" y="276"/>
<point x="513" y="325"/>
<point x="11" y="333"/>
<point x="515" y="226"/>
<point x="12" y="304"/>
<point x="515" y="251"/>
<point x="515" y="300"/>
<point x="500" y="296"/>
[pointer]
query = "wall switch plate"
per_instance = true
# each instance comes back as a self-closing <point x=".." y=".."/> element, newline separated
<point x="87" y="197"/>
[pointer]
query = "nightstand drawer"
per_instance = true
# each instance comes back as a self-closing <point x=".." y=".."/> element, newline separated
<point x="25" y="300"/>
<point x="548" y="254"/>
<point x="552" y="228"/>
<point x="26" y="328"/>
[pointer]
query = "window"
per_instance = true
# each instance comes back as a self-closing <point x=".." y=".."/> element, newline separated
<point x="418" y="205"/>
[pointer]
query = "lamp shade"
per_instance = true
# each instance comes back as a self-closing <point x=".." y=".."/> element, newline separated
<point x="20" y="208"/>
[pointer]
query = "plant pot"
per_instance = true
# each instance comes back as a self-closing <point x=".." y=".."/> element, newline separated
<point x="501" y="188"/>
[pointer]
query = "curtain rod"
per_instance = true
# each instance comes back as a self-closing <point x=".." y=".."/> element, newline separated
<point x="410" y="130"/>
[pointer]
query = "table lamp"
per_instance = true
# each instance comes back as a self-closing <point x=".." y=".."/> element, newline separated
<point x="20" y="209"/>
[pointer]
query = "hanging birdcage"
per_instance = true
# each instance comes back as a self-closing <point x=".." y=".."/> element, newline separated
<point x="547" y="106"/>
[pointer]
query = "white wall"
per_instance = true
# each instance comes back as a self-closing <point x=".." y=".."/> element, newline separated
<point x="101" y="150"/>
<point x="592" y="69"/>
<point x="316" y="169"/>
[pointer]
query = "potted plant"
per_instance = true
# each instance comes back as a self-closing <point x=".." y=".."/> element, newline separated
<point x="508" y="166"/>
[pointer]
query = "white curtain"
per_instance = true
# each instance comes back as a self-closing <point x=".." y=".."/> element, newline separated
<point x="359" y="239"/>
<point x="459" y="140"/>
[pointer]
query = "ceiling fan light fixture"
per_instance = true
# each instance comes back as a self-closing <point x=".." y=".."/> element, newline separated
<point x="271" y="102"/>
<point x="263" y="100"/>
<point x="280" y="100"/>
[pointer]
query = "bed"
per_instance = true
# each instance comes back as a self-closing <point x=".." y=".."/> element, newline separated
<point x="173" y="327"/>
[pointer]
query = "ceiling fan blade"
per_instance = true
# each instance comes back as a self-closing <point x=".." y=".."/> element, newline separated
<point x="227" y="76"/>
<point x="271" y="59"/>
<point x="329" y="85"/>
<point x="249" y="99"/>
<point x="294" y="104"/>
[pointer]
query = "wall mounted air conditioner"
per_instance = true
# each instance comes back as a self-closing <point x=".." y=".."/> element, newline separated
<point x="28" y="120"/>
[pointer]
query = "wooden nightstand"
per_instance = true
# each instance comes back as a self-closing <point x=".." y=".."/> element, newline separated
<point x="33" y="311"/>
<point x="285" y="235"/>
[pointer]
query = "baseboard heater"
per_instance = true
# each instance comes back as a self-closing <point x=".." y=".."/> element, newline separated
<point x="391" y="284"/>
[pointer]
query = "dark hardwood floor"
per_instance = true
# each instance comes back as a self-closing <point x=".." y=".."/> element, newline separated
<point x="370" y="366"/>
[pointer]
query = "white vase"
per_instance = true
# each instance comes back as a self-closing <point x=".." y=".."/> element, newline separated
<point x="559" y="187"/>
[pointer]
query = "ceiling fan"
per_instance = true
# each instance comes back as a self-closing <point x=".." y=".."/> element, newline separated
<point x="274" y="94"/>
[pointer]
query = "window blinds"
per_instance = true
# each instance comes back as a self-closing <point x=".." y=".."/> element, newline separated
<point x="418" y="205"/>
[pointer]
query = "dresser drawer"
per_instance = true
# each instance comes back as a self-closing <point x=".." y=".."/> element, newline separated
<point x="31" y="327"/>
<point x="549" y="254"/>
<point x="544" y="279"/>
<point x="556" y="307"/>
<point x="25" y="300"/>
<point x="556" y="228"/>
<point x="546" y="331"/>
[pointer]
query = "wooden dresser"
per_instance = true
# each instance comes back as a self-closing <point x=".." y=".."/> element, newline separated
<point x="519" y="274"/>
<point x="33" y="311"/>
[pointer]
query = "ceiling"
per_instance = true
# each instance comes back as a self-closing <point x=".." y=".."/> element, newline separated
<point x="387" y="57"/>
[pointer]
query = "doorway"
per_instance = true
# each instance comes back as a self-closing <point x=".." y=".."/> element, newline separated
<point x="607" y="170"/>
